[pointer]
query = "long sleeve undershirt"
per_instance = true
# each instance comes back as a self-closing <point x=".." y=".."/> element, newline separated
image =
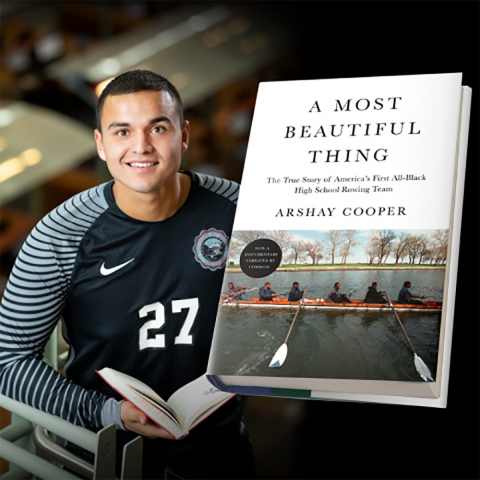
<point x="31" y="306"/>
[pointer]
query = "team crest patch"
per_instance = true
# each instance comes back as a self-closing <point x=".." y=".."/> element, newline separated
<point x="211" y="248"/>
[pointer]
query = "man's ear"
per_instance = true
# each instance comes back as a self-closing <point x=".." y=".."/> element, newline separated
<point x="100" y="150"/>
<point x="185" y="135"/>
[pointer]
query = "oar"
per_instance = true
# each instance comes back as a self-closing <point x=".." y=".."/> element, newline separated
<point x="239" y="293"/>
<point x="422" y="369"/>
<point x="281" y="353"/>
<point x="349" y="295"/>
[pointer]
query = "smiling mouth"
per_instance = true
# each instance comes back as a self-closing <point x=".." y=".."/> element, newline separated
<point x="142" y="164"/>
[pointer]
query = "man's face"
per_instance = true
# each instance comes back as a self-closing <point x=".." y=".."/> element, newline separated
<point x="408" y="285"/>
<point x="337" y="287"/>
<point x="142" y="140"/>
<point x="267" y="285"/>
<point x="295" y="285"/>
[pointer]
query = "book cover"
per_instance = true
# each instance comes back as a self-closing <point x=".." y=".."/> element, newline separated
<point x="348" y="185"/>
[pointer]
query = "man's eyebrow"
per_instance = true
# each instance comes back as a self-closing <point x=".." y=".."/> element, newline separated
<point x="118" y="124"/>
<point x="153" y="120"/>
<point x="161" y="119"/>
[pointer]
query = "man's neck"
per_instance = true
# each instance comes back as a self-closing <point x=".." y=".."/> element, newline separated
<point x="154" y="206"/>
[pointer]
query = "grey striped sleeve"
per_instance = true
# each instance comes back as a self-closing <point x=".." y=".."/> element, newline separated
<point x="33" y="302"/>
<point x="221" y="186"/>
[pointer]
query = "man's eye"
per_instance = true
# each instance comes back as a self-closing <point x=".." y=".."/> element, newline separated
<point x="158" y="129"/>
<point x="122" y="133"/>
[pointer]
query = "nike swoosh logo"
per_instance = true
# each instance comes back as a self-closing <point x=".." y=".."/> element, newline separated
<point x="107" y="271"/>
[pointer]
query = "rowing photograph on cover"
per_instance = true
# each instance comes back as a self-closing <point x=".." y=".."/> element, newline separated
<point x="324" y="312"/>
<point x="341" y="272"/>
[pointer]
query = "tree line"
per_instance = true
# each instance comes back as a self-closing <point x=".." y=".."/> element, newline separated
<point x="338" y="245"/>
<point x="383" y="244"/>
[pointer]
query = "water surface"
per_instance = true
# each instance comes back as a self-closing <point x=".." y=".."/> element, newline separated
<point x="330" y="344"/>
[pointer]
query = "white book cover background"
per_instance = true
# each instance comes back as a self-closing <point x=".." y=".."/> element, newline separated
<point x="360" y="154"/>
<point x="426" y="105"/>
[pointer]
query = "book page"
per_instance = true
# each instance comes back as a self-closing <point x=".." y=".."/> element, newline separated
<point x="148" y="393"/>
<point x="195" y="400"/>
<point x="352" y="182"/>
<point x="145" y="399"/>
<point x="454" y="246"/>
<point x="165" y="409"/>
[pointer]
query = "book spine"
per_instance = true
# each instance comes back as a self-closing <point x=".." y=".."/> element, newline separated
<point x="236" y="389"/>
<point x="260" y="391"/>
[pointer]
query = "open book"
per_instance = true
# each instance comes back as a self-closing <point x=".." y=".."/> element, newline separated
<point x="185" y="409"/>
<point x="353" y="188"/>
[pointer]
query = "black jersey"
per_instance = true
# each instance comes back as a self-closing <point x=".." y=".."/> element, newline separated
<point x="138" y="297"/>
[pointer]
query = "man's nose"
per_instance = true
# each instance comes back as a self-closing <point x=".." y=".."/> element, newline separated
<point x="142" y="143"/>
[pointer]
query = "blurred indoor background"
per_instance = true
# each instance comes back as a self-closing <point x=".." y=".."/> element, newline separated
<point x="57" y="56"/>
<point x="56" y="59"/>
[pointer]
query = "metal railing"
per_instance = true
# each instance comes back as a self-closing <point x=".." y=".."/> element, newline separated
<point x="37" y="425"/>
<point x="102" y="444"/>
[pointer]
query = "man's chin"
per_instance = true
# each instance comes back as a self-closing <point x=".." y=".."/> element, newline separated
<point x="145" y="188"/>
<point x="137" y="188"/>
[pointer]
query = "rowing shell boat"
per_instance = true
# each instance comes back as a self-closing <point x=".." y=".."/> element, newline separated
<point x="322" y="304"/>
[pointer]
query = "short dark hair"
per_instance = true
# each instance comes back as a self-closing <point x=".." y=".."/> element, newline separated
<point x="267" y="283"/>
<point x="138" y="81"/>
<point x="295" y="283"/>
<point x="406" y="283"/>
<point x="336" y="283"/>
<point x="374" y="283"/>
<point x="230" y="283"/>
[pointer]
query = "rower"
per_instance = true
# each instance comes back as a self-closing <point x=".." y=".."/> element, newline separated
<point x="295" y="294"/>
<point x="266" y="294"/>
<point x="404" y="296"/>
<point x="334" y="296"/>
<point x="373" y="296"/>
<point x="237" y="292"/>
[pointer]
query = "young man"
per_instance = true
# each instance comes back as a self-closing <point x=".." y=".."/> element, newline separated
<point x="295" y="294"/>
<point x="237" y="292"/>
<point x="334" y="295"/>
<point x="404" y="296"/>
<point x="266" y="294"/>
<point x="134" y="267"/>
<point x="373" y="296"/>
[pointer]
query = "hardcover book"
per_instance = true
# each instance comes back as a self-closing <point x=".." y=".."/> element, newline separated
<point x="344" y="252"/>
<point x="184" y="410"/>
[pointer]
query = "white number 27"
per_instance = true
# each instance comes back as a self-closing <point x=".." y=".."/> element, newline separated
<point x="158" y="341"/>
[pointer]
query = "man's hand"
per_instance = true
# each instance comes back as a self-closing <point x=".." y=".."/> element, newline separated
<point x="136" y="421"/>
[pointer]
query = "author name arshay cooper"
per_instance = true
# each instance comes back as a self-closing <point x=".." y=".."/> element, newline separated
<point x="347" y="212"/>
